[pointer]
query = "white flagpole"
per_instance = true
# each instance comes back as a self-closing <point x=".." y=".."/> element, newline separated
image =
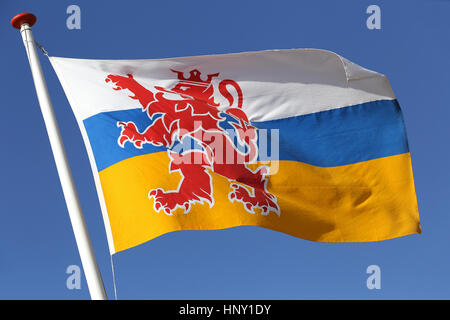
<point x="24" y="22"/>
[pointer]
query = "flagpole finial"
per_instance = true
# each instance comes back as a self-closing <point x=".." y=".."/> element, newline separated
<point x="21" y="18"/>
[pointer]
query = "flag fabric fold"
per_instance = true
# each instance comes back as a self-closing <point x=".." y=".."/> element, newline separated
<point x="299" y="141"/>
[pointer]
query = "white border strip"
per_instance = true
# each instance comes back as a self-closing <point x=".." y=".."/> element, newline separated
<point x="90" y="153"/>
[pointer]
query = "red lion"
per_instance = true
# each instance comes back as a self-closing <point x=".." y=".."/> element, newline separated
<point x="188" y="110"/>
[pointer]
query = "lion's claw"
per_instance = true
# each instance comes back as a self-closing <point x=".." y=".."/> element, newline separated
<point x="129" y="133"/>
<point x="120" y="82"/>
<point x="169" y="201"/>
<point x="260" y="200"/>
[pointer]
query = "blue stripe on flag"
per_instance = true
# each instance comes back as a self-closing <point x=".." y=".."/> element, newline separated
<point x="329" y="138"/>
<point x="342" y="136"/>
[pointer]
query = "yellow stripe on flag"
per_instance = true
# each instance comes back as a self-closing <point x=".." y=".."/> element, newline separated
<point x="367" y="201"/>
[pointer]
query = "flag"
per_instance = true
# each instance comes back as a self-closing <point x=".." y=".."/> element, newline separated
<point x="300" y="141"/>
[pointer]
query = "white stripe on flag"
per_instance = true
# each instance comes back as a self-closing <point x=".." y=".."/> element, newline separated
<point x="276" y="83"/>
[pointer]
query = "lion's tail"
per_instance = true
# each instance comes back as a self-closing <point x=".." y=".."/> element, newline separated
<point x="224" y="91"/>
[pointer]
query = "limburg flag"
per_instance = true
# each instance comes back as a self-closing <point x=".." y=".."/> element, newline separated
<point x="299" y="141"/>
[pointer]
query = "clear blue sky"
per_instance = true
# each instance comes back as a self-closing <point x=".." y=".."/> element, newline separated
<point x="36" y="239"/>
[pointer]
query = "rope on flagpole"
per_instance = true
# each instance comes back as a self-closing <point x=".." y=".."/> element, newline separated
<point x="114" y="277"/>
<point x="42" y="48"/>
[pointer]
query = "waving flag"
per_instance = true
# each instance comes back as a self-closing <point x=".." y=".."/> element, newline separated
<point x="299" y="141"/>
